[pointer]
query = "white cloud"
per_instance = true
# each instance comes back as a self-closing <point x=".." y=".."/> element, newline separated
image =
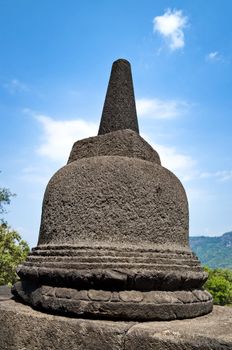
<point x="161" y="109"/>
<point x="182" y="165"/>
<point x="38" y="175"/>
<point x="222" y="175"/>
<point x="59" y="136"/>
<point x="15" y="86"/>
<point x="213" y="56"/>
<point x="170" y="25"/>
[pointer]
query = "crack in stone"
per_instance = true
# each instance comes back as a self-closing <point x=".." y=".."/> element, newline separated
<point x="125" y="335"/>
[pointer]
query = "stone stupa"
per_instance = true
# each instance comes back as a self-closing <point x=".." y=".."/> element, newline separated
<point x="114" y="239"/>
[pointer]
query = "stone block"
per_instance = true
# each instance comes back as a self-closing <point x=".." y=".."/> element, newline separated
<point x="22" y="328"/>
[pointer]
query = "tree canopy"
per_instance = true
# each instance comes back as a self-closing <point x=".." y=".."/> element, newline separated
<point x="219" y="284"/>
<point x="13" y="249"/>
<point x="5" y="197"/>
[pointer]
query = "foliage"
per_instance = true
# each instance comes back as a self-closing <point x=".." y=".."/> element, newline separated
<point x="214" y="252"/>
<point x="13" y="250"/>
<point x="5" y="195"/>
<point x="219" y="284"/>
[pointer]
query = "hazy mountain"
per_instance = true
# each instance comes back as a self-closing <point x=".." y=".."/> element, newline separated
<point x="213" y="251"/>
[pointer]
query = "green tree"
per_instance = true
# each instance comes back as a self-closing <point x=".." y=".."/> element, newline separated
<point x="13" y="250"/>
<point x="5" y="197"/>
<point x="219" y="284"/>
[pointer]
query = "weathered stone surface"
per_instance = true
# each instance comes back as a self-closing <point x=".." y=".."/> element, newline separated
<point x="114" y="268"/>
<point x="5" y="293"/>
<point x="119" y="111"/>
<point x="128" y="304"/>
<point x="114" y="199"/>
<point x="99" y="295"/>
<point x="209" y="332"/>
<point x="22" y="328"/>
<point x="113" y="239"/>
<point x="126" y="143"/>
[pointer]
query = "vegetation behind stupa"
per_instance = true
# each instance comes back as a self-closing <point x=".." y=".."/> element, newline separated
<point x="214" y="252"/>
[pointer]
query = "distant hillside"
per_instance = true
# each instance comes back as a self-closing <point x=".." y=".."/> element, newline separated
<point x="214" y="251"/>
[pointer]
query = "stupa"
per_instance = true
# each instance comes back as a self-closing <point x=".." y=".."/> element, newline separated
<point x="114" y="239"/>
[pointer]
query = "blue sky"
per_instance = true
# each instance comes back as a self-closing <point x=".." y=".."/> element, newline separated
<point x="55" y="62"/>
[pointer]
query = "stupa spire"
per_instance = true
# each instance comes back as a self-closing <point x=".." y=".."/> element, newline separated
<point x="119" y="111"/>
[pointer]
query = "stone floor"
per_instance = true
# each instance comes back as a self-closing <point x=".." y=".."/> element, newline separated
<point x="22" y="328"/>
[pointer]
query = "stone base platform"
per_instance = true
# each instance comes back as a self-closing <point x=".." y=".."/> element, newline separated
<point x="22" y="328"/>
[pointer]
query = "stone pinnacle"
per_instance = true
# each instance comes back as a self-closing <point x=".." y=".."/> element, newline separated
<point x="119" y="111"/>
